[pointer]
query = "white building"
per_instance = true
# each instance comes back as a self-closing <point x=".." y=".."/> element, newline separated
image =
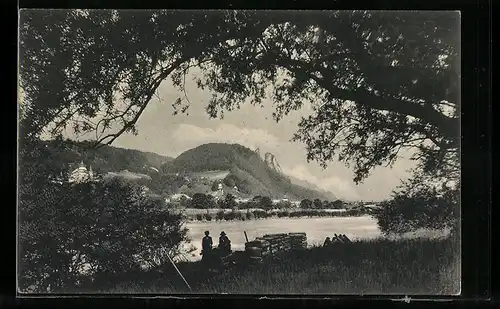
<point x="281" y="200"/>
<point x="81" y="174"/>
<point x="178" y="197"/>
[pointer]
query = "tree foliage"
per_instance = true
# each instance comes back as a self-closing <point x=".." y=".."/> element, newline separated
<point x="70" y="235"/>
<point x="263" y="202"/>
<point x="306" y="204"/>
<point x="229" y="201"/>
<point x="378" y="82"/>
<point x="419" y="205"/>
<point x="317" y="204"/>
<point x="202" y="201"/>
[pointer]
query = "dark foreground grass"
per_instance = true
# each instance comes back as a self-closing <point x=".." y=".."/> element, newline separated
<point x="417" y="266"/>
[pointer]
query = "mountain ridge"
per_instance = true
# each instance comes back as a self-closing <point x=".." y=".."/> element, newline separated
<point x="248" y="171"/>
<point x="243" y="172"/>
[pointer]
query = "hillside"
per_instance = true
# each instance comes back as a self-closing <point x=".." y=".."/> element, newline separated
<point x="308" y="185"/>
<point x="194" y="171"/>
<point x="106" y="158"/>
<point x="244" y="167"/>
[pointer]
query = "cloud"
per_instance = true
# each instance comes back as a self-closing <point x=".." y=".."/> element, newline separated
<point x="225" y="133"/>
<point x="342" y="188"/>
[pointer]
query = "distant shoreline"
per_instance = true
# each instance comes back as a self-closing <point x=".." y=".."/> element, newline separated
<point x="209" y="215"/>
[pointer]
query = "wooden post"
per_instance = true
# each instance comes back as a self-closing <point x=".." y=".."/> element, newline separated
<point x="246" y="237"/>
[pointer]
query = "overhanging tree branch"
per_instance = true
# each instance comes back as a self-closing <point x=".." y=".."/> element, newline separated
<point x="449" y="126"/>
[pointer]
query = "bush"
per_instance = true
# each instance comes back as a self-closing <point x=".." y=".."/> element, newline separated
<point x="417" y="206"/>
<point x="230" y="180"/>
<point x="230" y="216"/>
<point x="282" y="214"/>
<point x="220" y="215"/>
<point x="250" y="215"/>
<point x="283" y="205"/>
<point x="202" y="201"/>
<point x="109" y="227"/>
<point x="259" y="214"/>
<point x="241" y="216"/>
<point x="229" y="201"/>
<point x="263" y="202"/>
<point x="306" y="204"/>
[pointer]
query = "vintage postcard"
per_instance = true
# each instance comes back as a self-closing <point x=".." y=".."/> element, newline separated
<point x="248" y="152"/>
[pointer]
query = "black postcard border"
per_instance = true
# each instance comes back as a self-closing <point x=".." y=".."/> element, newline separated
<point x="476" y="161"/>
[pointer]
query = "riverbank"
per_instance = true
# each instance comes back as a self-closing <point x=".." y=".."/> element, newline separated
<point x="316" y="229"/>
<point x="207" y="215"/>
<point x="409" y="266"/>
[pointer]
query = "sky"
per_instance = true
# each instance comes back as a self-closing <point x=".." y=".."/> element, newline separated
<point x="162" y="132"/>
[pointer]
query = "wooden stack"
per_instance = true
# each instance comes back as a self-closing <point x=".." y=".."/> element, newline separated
<point x="257" y="249"/>
<point x="278" y="243"/>
<point x="272" y="244"/>
<point x="298" y="241"/>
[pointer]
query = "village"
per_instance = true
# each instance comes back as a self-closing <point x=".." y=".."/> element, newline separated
<point x="81" y="173"/>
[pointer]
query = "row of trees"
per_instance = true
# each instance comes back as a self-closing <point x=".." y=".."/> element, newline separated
<point x="207" y="201"/>
<point x="318" y="204"/>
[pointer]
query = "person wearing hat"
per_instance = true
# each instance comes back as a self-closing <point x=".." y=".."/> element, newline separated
<point x="224" y="243"/>
<point x="206" y="245"/>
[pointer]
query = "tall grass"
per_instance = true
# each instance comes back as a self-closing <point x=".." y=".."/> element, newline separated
<point x="409" y="266"/>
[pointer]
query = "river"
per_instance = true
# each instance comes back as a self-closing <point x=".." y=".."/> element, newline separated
<point x="317" y="229"/>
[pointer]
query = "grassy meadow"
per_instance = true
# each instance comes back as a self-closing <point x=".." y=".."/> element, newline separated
<point x="407" y="266"/>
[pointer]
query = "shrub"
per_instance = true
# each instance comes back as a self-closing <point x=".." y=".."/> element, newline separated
<point x="283" y="205"/>
<point x="259" y="214"/>
<point x="202" y="201"/>
<point x="108" y="226"/>
<point x="306" y="204"/>
<point x="229" y="201"/>
<point x="282" y="214"/>
<point x="250" y="215"/>
<point x="418" y="205"/>
<point x="230" y="216"/>
<point x="220" y="215"/>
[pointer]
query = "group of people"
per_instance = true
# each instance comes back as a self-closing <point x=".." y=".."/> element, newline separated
<point x="207" y="245"/>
